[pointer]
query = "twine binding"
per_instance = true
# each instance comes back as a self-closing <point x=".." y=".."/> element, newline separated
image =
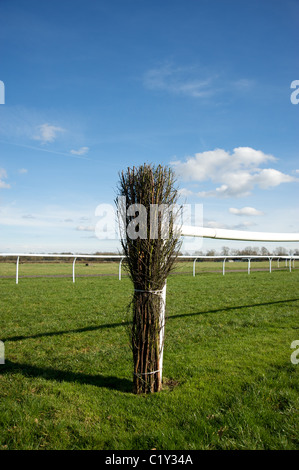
<point x="156" y="292"/>
<point x="146" y="373"/>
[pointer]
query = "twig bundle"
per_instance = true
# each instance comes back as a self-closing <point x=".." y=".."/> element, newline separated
<point x="150" y="257"/>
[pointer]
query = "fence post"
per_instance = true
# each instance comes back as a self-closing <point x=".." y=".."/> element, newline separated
<point x="119" y="269"/>
<point x="162" y="326"/>
<point x="74" y="269"/>
<point x="249" y="265"/>
<point x="223" y="267"/>
<point x="194" y="267"/>
<point x="270" y="265"/>
<point x="17" y="270"/>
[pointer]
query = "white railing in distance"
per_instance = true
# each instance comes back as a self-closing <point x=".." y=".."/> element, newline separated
<point x="223" y="234"/>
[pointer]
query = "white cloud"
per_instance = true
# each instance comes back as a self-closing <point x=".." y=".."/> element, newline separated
<point x="85" y="228"/>
<point x="243" y="84"/>
<point x="48" y="133"/>
<point x="242" y="226"/>
<point x="194" y="81"/>
<point x="45" y="216"/>
<point x="23" y="171"/>
<point x="178" y="80"/>
<point x="183" y="192"/>
<point x="269" y="177"/>
<point x="214" y="224"/>
<point x="3" y="176"/>
<point x="251" y="211"/>
<point x="80" y="151"/>
<point x="237" y="172"/>
<point x="28" y="216"/>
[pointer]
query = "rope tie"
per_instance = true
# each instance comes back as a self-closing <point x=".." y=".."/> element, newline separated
<point x="156" y="292"/>
<point x="146" y="373"/>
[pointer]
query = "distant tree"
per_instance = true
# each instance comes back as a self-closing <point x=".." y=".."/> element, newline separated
<point x="225" y="251"/>
<point x="264" y="251"/>
<point x="280" y="251"/>
<point x="249" y="250"/>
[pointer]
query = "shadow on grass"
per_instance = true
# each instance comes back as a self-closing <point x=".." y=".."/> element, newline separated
<point x="115" y="383"/>
<point x="110" y="382"/>
<point x="115" y="325"/>
<point x="65" y="332"/>
<point x="237" y="307"/>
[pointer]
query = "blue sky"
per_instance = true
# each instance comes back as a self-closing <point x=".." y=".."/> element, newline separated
<point x="92" y="87"/>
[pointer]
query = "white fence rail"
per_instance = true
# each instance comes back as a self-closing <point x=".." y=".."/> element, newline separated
<point x="289" y="260"/>
<point x="52" y="255"/>
<point x="249" y="258"/>
<point x="223" y="234"/>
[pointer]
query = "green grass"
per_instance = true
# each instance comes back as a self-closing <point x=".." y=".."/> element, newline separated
<point x="229" y="381"/>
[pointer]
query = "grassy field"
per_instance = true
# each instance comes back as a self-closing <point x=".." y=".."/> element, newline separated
<point x="228" y="379"/>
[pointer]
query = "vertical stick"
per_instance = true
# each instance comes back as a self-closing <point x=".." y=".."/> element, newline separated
<point x="223" y="267"/>
<point x="248" y="265"/>
<point x="17" y="270"/>
<point x="74" y="269"/>
<point x="162" y="329"/>
<point x="119" y="270"/>
<point x="194" y="267"/>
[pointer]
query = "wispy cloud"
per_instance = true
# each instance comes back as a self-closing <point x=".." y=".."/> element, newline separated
<point x="41" y="149"/>
<point x="80" y="151"/>
<point x="47" y="216"/>
<point x="3" y="176"/>
<point x="238" y="173"/>
<point x="243" y="84"/>
<point x="85" y="228"/>
<point x="251" y="211"/>
<point x="194" y="81"/>
<point x="47" y="133"/>
<point x="23" y="171"/>
<point x="178" y="80"/>
<point x="20" y="126"/>
<point x="28" y="216"/>
<point x="241" y="226"/>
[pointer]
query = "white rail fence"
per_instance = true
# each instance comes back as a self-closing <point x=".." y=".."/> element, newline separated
<point x="289" y="260"/>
